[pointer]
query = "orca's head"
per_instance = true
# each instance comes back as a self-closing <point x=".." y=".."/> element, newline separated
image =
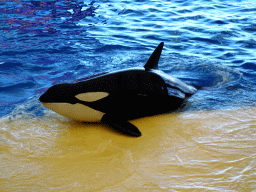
<point x="68" y="101"/>
<point x="58" y="99"/>
<point x="61" y="93"/>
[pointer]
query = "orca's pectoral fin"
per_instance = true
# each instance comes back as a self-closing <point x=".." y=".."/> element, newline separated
<point x="121" y="126"/>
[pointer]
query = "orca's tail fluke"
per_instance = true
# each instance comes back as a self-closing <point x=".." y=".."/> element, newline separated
<point x="152" y="62"/>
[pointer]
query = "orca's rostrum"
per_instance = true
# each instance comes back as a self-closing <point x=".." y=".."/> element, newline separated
<point x="114" y="98"/>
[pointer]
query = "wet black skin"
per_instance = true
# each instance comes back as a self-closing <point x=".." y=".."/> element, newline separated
<point x="133" y="93"/>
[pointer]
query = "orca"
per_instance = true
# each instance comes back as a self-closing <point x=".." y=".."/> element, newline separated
<point x="116" y="97"/>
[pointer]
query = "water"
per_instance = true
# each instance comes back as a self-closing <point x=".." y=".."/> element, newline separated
<point x="208" y="43"/>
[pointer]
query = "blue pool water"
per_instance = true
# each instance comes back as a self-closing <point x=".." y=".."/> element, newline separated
<point x="209" y="43"/>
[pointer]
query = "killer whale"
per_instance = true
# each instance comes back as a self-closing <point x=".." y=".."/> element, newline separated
<point x="114" y="98"/>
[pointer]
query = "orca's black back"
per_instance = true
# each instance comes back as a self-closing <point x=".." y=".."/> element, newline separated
<point x="136" y="81"/>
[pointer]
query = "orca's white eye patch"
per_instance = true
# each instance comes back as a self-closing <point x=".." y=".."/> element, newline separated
<point x="91" y="96"/>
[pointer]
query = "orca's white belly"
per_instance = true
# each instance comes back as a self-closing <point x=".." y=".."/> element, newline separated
<point x="76" y="111"/>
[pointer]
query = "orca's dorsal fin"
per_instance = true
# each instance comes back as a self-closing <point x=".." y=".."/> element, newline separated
<point x="152" y="62"/>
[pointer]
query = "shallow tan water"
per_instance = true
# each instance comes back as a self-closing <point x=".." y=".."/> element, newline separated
<point x="199" y="151"/>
